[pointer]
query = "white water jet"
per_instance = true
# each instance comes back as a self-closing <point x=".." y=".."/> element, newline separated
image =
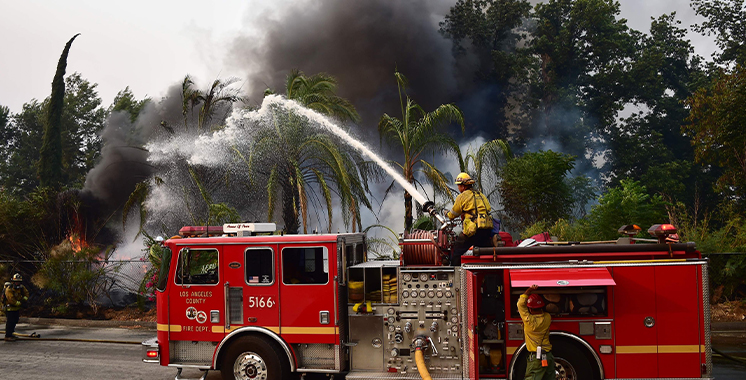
<point x="332" y="127"/>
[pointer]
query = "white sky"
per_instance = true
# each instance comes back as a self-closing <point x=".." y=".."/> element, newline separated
<point x="146" y="45"/>
<point x="150" y="45"/>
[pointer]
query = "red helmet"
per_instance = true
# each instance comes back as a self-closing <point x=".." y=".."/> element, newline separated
<point x="535" y="301"/>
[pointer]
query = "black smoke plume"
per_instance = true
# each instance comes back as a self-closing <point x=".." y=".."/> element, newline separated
<point x="361" y="43"/>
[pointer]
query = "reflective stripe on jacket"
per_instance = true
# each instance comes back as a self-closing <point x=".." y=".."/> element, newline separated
<point x="15" y="297"/>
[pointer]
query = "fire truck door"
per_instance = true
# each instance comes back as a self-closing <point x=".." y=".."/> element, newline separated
<point x="196" y="302"/>
<point x="634" y="302"/>
<point x="250" y="273"/>
<point x="678" y="320"/>
<point x="307" y="294"/>
<point x="657" y="321"/>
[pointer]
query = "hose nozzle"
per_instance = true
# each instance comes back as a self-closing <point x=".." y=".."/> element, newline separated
<point x="429" y="207"/>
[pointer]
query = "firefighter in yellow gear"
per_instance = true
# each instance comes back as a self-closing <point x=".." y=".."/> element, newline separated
<point x="474" y="209"/>
<point x="15" y="296"/>
<point x="536" y="321"/>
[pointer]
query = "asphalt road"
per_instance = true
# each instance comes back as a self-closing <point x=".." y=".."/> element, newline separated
<point x="64" y="357"/>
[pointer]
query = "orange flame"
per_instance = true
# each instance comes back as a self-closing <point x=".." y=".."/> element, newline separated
<point x="77" y="243"/>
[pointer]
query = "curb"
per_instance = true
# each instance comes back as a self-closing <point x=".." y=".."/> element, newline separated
<point x="728" y="326"/>
<point x="147" y="325"/>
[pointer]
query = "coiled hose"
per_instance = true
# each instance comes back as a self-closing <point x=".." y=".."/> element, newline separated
<point x="419" y="253"/>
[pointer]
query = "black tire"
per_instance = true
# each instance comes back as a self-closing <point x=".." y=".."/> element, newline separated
<point x="573" y="363"/>
<point x="569" y="361"/>
<point x="254" y="358"/>
<point x="518" y="372"/>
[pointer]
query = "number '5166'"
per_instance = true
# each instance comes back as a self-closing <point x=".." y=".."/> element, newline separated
<point x="261" y="302"/>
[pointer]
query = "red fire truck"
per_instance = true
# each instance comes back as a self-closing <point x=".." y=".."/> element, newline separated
<point x="262" y="306"/>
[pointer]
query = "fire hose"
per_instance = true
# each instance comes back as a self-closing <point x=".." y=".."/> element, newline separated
<point x="420" y="343"/>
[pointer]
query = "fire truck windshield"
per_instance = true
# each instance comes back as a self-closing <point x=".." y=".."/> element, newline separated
<point x="164" y="253"/>
<point x="197" y="267"/>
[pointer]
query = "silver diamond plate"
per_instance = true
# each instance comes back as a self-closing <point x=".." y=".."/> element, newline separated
<point x="317" y="356"/>
<point x="466" y="316"/>
<point x="189" y="352"/>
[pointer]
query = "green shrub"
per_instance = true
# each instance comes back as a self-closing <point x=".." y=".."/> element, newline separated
<point x="76" y="276"/>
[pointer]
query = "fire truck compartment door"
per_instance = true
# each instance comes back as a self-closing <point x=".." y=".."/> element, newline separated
<point x="308" y="294"/>
<point x="560" y="277"/>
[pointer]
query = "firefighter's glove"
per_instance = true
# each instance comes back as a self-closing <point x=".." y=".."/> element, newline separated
<point x="25" y="299"/>
<point x="18" y="303"/>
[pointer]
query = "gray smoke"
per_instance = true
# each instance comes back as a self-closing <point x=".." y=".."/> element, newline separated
<point x="123" y="160"/>
<point x="360" y="43"/>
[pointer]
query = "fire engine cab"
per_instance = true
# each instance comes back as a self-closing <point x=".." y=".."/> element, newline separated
<point x="256" y="305"/>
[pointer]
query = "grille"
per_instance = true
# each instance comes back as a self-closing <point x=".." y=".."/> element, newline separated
<point x="235" y="300"/>
<point x="189" y="352"/>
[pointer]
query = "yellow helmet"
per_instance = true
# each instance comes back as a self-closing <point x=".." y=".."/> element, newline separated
<point x="464" y="179"/>
<point x="17" y="277"/>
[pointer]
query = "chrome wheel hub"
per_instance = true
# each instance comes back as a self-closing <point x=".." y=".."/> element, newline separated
<point x="250" y="366"/>
<point x="564" y="370"/>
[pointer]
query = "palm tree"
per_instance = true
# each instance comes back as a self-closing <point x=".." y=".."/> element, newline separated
<point x="307" y="164"/>
<point x="484" y="165"/>
<point x="418" y="133"/>
<point x="218" y="94"/>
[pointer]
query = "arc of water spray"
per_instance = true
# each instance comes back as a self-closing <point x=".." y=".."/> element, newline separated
<point x="332" y="127"/>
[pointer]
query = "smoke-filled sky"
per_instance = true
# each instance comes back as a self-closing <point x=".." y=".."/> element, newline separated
<point x="150" y="46"/>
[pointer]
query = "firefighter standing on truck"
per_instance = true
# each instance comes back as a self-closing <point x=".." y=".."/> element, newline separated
<point x="15" y="295"/>
<point x="540" y="365"/>
<point x="474" y="209"/>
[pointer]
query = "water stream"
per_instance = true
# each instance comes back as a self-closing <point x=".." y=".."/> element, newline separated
<point x="327" y="124"/>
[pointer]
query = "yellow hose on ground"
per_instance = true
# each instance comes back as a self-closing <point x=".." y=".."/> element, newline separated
<point x="419" y="358"/>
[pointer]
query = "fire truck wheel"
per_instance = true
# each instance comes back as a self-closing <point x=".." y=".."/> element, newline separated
<point x="570" y="363"/>
<point x="254" y="358"/>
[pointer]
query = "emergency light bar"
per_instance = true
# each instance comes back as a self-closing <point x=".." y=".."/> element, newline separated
<point x="629" y="230"/>
<point x="249" y="229"/>
<point x="663" y="231"/>
<point x="190" y="231"/>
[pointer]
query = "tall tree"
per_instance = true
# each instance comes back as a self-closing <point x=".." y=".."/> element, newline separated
<point x="485" y="166"/>
<point x="23" y="136"/>
<point x="726" y="19"/>
<point x="648" y="146"/>
<point x="82" y="121"/>
<point x="416" y="134"/>
<point x="125" y="101"/>
<point x="716" y="128"/>
<point x="584" y="49"/>
<point x="491" y="31"/>
<point x="220" y="96"/>
<point x="50" y="156"/>
<point x="306" y="164"/>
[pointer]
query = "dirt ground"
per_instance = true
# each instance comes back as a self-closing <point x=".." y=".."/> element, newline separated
<point x="732" y="311"/>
